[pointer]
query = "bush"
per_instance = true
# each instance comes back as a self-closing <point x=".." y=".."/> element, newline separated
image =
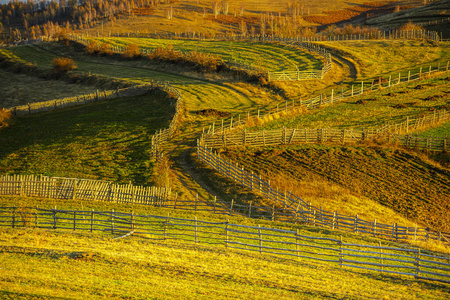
<point x="64" y="64"/>
<point x="131" y="50"/>
<point x="5" y="117"/>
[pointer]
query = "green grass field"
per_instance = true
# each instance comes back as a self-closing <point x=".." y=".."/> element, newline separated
<point x="270" y="56"/>
<point x="50" y="264"/>
<point x="15" y="89"/>
<point x="108" y="140"/>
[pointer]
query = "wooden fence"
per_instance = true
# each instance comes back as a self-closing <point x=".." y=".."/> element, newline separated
<point x="331" y="97"/>
<point x="159" y="138"/>
<point x="388" y="132"/>
<point x="81" y="189"/>
<point x="304" y="75"/>
<point x="288" y="244"/>
<point x="294" y="209"/>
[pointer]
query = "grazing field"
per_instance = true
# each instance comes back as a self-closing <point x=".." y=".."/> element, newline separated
<point x="273" y="57"/>
<point x="20" y="89"/>
<point x="408" y="183"/>
<point x="377" y="108"/>
<point x="45" y="264"/>
<point x="198" y="93"/>
<point x="56" y="263"/>
<point x="108" y="140"/>
<point x="376" y="58"/>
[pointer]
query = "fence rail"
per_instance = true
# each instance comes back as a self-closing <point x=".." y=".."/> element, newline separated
<point x="275" y="242"/>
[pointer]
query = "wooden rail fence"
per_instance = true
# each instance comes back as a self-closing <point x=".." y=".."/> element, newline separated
<point x="331" y="97"/>
<point x="391" y="259"/>
<point x="388" y="132"/>
<point x="294" y="209"/>
<point x="81" y="189"/>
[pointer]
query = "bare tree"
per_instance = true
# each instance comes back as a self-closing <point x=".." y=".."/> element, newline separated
<point x="216" y="8"/>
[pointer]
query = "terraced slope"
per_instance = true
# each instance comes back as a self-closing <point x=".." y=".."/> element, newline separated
<point x="270" y="56"/>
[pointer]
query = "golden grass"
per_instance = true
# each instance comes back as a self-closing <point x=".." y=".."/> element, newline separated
<point x="51" y="264"/>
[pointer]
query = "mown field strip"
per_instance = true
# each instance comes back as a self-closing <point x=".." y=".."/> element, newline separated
<point x="274" y="57"/>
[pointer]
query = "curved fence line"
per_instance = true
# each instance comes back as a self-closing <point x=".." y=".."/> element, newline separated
<point x="283" y="243"/>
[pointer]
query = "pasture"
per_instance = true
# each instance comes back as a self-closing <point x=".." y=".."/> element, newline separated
<point x="111" y="140"/>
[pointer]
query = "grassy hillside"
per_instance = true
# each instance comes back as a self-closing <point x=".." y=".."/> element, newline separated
<point x="15" y="89"/>
<point x="405" y="182"/>
<point x="375" y="58"/>
<point x="51" y="264"/>
<point x="108" y="140"/>
<point x="377" y="108"/>
<point x="270" y="56"/>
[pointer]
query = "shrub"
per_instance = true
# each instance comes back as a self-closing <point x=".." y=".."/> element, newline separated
<point x="5" y="117"/>
<point x="131" y="50"/>
<point x="64" y="64"/>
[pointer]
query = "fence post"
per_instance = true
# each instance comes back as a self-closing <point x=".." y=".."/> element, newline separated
<point x="389" y="83"/>
<point x="112" y="221"/>
<point x="74" y="219"/>
<point x="334" y="220"/>
<point x="231" y="207"/>
<point x="415" y="231"/>
<point x="409" y="75"/>
<point x="296" y="245"/>
<point x="260" y="238"/>
<point x="399" y="78"/>
<point x="196" y="230"/>
<point x="215" y="199"/>
<point x="92" y="219"/>
<point x="226" y="233"/>
<point x="14" y="217"/>
<point x="355" y="228"/>
<point x="54" y="218"/>
<point x="362" y="87"/>
<point x="273" y="213"/>
<point x="250" y="209"/>
<point x="341" y="254"/>
<point x="418" y="264"/>
<point x="175" y="202"/>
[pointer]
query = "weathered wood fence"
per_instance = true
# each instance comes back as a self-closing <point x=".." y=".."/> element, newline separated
<point x="294" y="209"/>
<point x="159" y="138"/>
<point x="81" y="189"/>
<point x="288" y="244"/>
<point x="388" y="132"/>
